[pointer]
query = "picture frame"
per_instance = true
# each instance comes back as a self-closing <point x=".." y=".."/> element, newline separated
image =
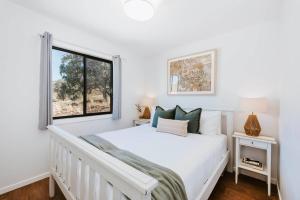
<point x="193" y="74"/>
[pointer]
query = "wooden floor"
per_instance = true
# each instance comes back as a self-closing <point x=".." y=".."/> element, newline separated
<point x="247" y="189"/>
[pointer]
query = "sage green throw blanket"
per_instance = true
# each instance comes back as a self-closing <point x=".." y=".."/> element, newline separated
<point x="170" y="185"/>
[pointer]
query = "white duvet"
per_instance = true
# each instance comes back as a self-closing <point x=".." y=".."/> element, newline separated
<point x="193" y="158"/>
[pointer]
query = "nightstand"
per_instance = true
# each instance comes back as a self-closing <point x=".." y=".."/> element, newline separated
<point x="259" y="142"/>
<point x="138" y="122"/>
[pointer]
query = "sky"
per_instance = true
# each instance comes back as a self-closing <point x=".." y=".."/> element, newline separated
<point x="56" y="61"/>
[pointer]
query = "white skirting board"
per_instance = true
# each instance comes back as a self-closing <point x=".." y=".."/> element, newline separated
<point x="23" y="183"/>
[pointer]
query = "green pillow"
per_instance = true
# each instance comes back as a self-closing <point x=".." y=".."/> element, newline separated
<point x="160" y="112"/>
<point x="193" y="117"/>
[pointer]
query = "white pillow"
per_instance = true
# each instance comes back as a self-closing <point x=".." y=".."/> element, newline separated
<point x="177" y="127"/>
<point x="210" y="122"/>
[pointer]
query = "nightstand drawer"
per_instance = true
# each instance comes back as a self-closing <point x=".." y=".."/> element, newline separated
<point x="253" y="143"/>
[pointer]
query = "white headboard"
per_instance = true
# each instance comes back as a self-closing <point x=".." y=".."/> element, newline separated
<point x="227" y="129"/>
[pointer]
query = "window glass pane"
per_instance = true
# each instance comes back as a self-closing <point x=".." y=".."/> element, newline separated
<point x="67" y="80"/>
<point x="98" y="86"/>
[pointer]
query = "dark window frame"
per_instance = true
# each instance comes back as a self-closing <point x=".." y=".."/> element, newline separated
<point x="85" y="56"/>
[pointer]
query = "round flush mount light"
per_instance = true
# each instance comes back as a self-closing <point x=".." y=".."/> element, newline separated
<point x="140" y="10"/>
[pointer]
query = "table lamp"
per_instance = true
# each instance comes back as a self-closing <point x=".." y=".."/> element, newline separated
<point x="257" y="105"/>
<point x="147" y="102"/>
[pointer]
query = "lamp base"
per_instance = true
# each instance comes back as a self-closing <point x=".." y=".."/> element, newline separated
<point x="147" y="113"/>
<point x="252" y="126"/>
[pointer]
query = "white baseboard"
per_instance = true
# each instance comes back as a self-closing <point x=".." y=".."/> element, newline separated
<point x="278" y="191"/>
<point x="23" y="183"/>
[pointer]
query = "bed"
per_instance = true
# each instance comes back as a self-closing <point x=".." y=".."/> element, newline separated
<point x="84" y="172"/>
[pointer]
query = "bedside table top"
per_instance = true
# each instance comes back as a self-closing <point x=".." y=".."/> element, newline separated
<point x="260" y="138"/>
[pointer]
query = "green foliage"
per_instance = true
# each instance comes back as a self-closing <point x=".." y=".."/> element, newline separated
<point x="98" y="77"/>
<point x="72" y="83"/>
<point x="71" y="70"/>
<point x="138" y="108"/>
<point x="60" y="88"/>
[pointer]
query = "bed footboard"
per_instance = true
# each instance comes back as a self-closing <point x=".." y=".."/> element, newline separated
<point x="83" y="172"/>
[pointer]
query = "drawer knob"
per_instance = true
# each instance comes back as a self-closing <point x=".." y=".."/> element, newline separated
<point x="252" y="142"/>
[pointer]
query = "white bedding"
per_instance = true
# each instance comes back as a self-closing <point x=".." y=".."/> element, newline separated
<point x="193" y="158"/>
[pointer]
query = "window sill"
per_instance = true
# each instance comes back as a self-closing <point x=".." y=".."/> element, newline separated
<point x="80" y="119"/>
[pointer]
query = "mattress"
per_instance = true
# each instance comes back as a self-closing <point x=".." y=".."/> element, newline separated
<point x="193" y="158"/>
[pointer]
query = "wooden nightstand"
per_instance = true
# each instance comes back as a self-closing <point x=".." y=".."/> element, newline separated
<point x="260" y="142"/>
<point x="138" y="122"/>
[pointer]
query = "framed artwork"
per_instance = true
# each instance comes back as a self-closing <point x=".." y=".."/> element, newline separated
<point x="193" y="74"/>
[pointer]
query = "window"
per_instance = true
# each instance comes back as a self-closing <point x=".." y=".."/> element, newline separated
<point x="82" y="84"/>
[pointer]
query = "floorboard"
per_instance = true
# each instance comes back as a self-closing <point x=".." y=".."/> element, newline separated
<point x="247" y="189"/>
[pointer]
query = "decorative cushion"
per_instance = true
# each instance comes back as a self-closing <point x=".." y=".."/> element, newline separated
<point x="177" y="127"/>
<point x="193" y="117"/>
<point x="160" y="112"/>
<point x="152" y="113"/>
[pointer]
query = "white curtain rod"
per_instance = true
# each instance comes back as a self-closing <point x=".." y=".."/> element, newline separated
<point x="81" y="47"/>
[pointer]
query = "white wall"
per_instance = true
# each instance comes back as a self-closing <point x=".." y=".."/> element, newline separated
<point x="253" y="61"/>
<point x="23" y="148"/>
<point x="289" y="105"/>
<point x="247" y="66"/>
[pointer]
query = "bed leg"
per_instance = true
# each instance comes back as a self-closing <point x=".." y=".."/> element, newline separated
<point x="51" y="186"/>
<point x="223" y="172"/>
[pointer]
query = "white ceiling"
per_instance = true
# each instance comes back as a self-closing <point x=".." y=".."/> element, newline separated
<point x="175" y="22"/>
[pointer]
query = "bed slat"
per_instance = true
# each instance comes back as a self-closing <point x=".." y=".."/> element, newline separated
<point x="69" y="169"/>
<point x="96" y="187"/>
<point x="103" y="188"/>
<point x="64" y="164"/>
<point x="116" y="194"/>
<point x="85" y="181"/>
<point x="78" y="178"/>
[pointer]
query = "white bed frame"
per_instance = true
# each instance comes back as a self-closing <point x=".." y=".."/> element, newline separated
<point x="84" y="173"/>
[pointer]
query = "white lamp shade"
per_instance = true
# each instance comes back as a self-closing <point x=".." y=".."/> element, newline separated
<point x="148" y="101"/>
<point x="258" y="105"/>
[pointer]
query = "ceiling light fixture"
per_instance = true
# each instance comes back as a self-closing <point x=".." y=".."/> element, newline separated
<point x="140" y="10"/>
